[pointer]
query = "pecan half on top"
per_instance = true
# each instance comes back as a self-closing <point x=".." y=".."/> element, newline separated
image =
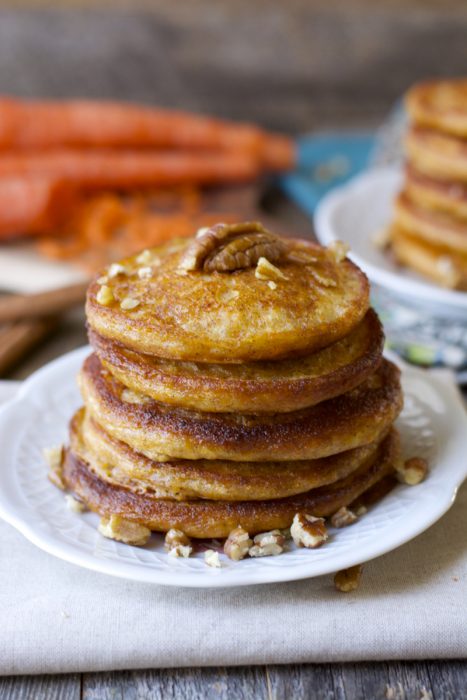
<point x="229" y="247"/>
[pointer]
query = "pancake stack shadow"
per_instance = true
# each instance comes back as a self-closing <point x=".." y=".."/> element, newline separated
<point x="237" y="379"/>
<point x="429" y="228"/>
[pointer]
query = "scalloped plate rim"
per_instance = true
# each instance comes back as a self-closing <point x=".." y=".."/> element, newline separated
<point x="236" y="574"/>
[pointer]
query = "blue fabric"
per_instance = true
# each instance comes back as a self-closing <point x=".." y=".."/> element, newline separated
<point x="325" y="161"/>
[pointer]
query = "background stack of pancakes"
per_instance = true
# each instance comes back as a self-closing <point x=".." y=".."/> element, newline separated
<point x="429" y="231"/>
<point x="237" y="379"/>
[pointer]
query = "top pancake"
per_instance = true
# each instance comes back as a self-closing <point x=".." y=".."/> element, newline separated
<point x="440" y="104"/>
<point x="315" y="299"/>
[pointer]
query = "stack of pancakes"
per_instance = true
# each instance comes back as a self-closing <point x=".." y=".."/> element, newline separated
<point x="429" y="231"/>
<point x="237" y="379"/>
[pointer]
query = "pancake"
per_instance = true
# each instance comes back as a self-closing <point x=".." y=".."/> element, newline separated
<point x="356" y="418"/>
<point x="312" y="299"/>
<point x="437" y="155"/>
<point x="428" y="193"/>
<point x="437" y="263"/>
<point x="440" y="104"/>
<point x="433" y="227"/>
<point x="258" y="387"/>
<point x="205" y="518"/>
<point x="114" y="461"/>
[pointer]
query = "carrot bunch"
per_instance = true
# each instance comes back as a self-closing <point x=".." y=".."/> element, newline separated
<point x="55" y="154"/>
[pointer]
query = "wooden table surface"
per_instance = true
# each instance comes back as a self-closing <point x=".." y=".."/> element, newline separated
<point x="296" y="67"/>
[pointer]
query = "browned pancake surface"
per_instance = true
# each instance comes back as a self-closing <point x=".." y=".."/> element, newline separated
<point x="204" y="518"/>
<point x="356" y="418"/>
<point x="230" y="317"/>
<point x="213" y="479"/>
<point x="255" y="387"/>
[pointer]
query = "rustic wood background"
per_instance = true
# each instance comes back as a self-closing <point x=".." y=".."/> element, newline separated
<point x="294" y="66"/>
<point x="429" y="680"/>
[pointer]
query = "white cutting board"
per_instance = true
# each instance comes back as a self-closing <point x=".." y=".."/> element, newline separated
<point x="23" y="270"/>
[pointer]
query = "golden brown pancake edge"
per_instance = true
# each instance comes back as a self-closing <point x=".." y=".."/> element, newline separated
<point x="211" y="479"/>
<point x="203" y="518"/>
<point x="259" y="387"/>
<point x="232" y="317"/>
<point x="342" y="423"/>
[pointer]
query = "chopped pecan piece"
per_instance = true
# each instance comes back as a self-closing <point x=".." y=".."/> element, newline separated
<point x="54" y="457"/>
<point x="237" y="544"/>
<point x="211" y="558"/>
<point x="116" y="269"/>
<point x="117" y="528"/>
<point x="412" y="471"/>
<point x="343" y="517"/>
<point x="104" y="295"/>
<point x="348" y="579"/>
<point x="308" y="531"/>
<point x="447" y="269"/>
<point x="323" y="280"/>
<point x="144" y="273"/>
<point x="177" y="544"/>
<point x="267" y="271"/>
<point x="338" y="250"/>
<point x="301" y="257"/>
<point x="144" y="258"/>
<point x="73" y="504"/>
<point x="267" y="544"/>
<point x="228" y="247"/>
<point x="129" y="303"/>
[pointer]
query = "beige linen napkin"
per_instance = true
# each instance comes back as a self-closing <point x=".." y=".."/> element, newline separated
<point x="56" y="617"/>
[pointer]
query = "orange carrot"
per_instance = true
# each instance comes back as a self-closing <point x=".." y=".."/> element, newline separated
<point x="96" y="124"/>
<point x="47" y="124"/>
<point x="129" y="169"/>
<point x="279" y="152"/>
<point x="33" y="205"/>
<point x="108" y="227"/>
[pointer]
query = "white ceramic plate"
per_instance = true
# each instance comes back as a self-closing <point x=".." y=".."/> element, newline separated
<point x="354" y="213"/>
<point x="433" y="425"/>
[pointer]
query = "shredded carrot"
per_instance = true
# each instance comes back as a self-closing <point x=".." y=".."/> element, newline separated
<point x="109" y="226"/>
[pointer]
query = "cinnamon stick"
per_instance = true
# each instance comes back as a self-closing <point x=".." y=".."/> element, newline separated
<point x="15" y="307"/>
<point x="17" y="339"/>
